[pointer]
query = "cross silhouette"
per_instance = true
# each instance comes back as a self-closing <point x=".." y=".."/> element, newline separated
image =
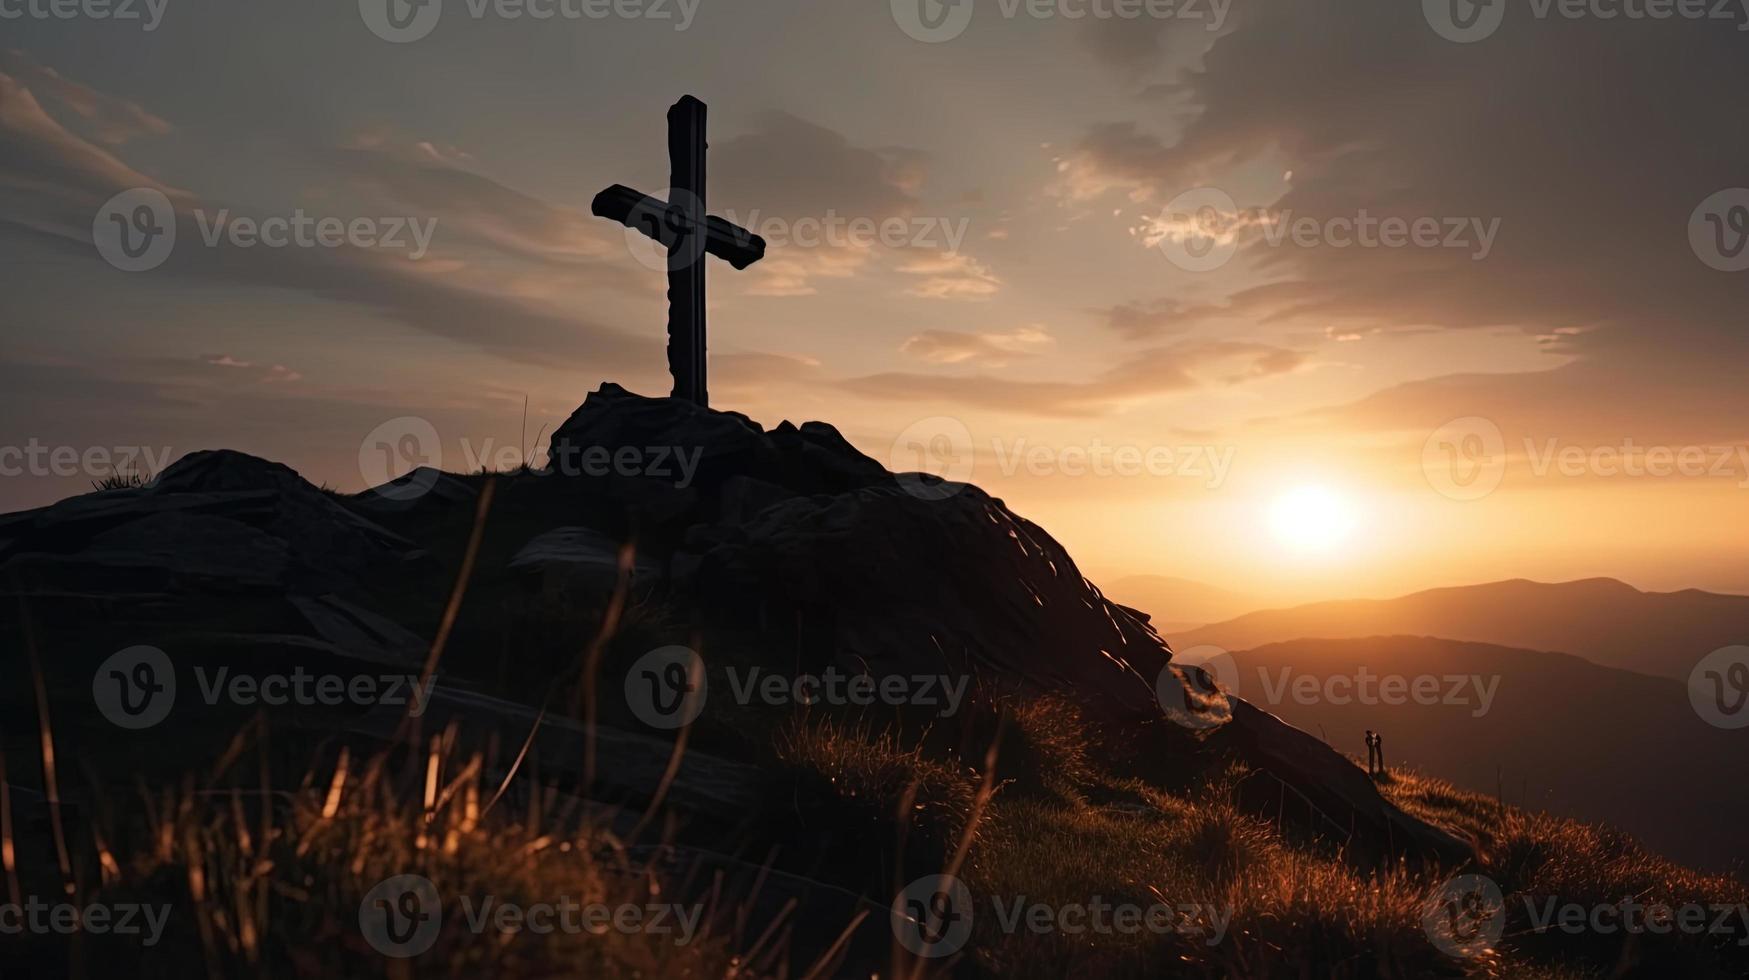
<point x="682" y="225"/>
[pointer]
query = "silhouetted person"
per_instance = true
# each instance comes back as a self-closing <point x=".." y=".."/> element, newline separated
<point x="1375" y="753"/>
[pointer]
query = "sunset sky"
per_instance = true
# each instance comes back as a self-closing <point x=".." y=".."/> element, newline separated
<point x="1039" y="297"/>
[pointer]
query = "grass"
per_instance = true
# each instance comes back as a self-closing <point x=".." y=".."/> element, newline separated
<point x="1537" y="858"/>
<point x="1026" y="801"/>
<point x="125" y="480"/>
<point x="1023" y="801"/>
<point x="1283" y="909"/>
<point x="274" y="884"/>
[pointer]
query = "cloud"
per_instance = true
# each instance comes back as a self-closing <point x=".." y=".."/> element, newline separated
<point x="754" y="373"/>
<point x="1138" y="321"/>
<point x="57" y="177"/>
<point x="1146" y="375"/>
<point x="425" y="183"/>
<point x="1372" y="110"/>
<point x="1269" y="363"/>
<point x="790" y="168"/>
<point x="1128" y="44"/>
<point x="1594" y="401"/>
<point x="277" y="373"/>
<point x="1114" y="157"/>
<point x="794" y="173"/>
<point x="791" y="271"/>
<point x="1592" y="176"/>
<point x="948" y="275"/>
<point x="52" y="183"/>
<point x="419" y="151"/>
<point x="111" y="120"/>
<point x="994" y="349"/>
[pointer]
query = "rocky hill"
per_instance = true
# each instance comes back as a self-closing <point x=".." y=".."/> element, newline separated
<point x="789" y="534"/>
<point x="810" y="677"/>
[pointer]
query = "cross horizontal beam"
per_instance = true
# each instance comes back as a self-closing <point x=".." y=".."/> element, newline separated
<point x="665" y="223"/>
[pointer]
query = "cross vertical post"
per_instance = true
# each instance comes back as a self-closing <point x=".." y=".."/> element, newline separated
<point x="683" y="227"/>
<point x="686" y="314"/>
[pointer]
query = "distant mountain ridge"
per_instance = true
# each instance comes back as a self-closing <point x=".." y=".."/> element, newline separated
<point x="1601" y="619"/>
<point x="1551" y="731"/>
<point x="1179" y="603"/>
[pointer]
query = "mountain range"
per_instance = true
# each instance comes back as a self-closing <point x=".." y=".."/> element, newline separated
<point x="1545" y="731"/>
<point x="1602" y="620"/>
<point x="1183" y="604"/>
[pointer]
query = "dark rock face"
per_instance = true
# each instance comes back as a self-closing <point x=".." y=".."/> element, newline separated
<point x="213" y="521"/>
<point x="811" y="459"/>
<point x="904" y="574"/>
<point x="226" y="556"/>
<point x="1300" y="780"/>
<point x="577" y="560"/>
<point x="983" y="593"/>
<point x="895" y="576"/>
<point x="420" y="489"/>
<point x="225" y="559"/>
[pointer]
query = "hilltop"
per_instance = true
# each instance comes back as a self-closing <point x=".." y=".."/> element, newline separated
<point x="780" y="680"/>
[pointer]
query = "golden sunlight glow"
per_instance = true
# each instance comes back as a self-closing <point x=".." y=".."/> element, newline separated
<point x="1311" y="519"/>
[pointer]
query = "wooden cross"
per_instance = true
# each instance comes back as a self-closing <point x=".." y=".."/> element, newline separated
<point x="689" y="233"/>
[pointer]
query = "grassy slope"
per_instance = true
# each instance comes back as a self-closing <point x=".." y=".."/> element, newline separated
<point x="1056" y="814"/>
<point x="1019" y="800"/>
<point x="1297" y="909"/>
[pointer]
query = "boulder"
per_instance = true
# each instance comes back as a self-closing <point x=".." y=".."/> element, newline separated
<point x="1297" y="780"/>
<point x="225" y="559"/>
<point x="421" y="488"/>
<point x="904" y="583"/>
<point x="658" y="435"/>
<point x="577" y="561"/>
<point x="212" y="521"/>
<point x="359" y="633"/>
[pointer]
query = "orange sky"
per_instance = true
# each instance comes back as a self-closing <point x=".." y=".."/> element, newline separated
<point x="1319" y="243"/>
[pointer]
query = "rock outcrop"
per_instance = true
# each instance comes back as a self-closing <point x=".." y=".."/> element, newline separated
<point x="889" y="574"/>
<point x="224" y="558"/>
<point x="212" y="521"/>
<point x="904" y="574"/>
<point x="893" y="575"/>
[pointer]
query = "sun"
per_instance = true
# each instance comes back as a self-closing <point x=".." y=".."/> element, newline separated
<point x="1311" y="520"/>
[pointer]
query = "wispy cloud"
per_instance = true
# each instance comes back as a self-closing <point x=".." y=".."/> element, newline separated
<point x="993" y="348"/>
<point x="1147" y="375"/>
